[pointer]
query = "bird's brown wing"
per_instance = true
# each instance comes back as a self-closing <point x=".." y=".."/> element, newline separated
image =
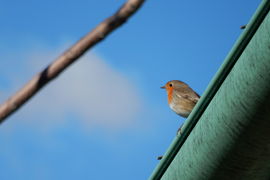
<point x="188" y="93"/>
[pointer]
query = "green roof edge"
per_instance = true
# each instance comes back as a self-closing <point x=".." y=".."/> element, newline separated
<point x="212" y="88"/>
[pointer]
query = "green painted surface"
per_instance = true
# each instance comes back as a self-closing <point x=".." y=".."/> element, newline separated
<point x="231" y="140"/>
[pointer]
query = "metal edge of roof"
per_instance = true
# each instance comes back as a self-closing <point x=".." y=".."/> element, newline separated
<point x="212" y="88"/>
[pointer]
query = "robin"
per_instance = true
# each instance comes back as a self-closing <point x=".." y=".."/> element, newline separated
<point x="181" y="97"/>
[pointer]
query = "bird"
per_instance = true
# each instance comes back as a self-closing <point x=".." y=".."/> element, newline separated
<point x="181" y="98"/>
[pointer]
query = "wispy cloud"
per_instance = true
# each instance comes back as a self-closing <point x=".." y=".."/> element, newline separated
<point x="90" y="90"/>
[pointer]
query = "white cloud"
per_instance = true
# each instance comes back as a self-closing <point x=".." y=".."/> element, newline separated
<point x="90" y="90"/>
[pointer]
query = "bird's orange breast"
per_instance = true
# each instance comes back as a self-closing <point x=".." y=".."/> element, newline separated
<point x="170" y="95"/>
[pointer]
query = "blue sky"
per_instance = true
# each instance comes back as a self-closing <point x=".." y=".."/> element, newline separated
<point x="105" y="117"/>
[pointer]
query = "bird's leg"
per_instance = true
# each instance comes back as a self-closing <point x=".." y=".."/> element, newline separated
<point x="179" y="131"/>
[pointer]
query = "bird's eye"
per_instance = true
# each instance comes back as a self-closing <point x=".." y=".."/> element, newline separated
<point x="170" y="85"/>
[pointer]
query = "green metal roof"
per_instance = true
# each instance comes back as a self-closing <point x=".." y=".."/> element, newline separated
<point x="227" y="136"/>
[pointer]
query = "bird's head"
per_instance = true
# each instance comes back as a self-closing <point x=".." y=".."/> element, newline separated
<point x="174" y="84"/>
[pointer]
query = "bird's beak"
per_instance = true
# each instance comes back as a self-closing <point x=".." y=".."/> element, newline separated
<point x="163" y="87"/>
